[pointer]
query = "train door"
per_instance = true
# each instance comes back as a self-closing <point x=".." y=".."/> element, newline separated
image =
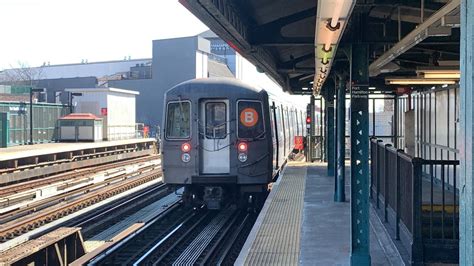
<point x="283" y="123"/>
<point x="215" y="152"/>
<point x="275" y="140"/>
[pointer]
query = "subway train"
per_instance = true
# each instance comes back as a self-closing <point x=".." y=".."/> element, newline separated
<point x="225" y="141"/>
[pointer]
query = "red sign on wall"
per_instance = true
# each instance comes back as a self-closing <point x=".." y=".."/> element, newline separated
<point x="103" y="111"/>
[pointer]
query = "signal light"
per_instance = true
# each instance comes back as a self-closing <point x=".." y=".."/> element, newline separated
<point x="185" y="147"/>
<point x="242" y="147"/>
<point x="308" y="120"/>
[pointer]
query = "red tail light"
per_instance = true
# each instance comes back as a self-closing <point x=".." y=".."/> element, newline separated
<point x="242" y="147"/>
<point x="185" y="147"/>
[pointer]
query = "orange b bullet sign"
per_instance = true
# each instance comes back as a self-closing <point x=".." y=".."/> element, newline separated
<point x="249" y="117"/>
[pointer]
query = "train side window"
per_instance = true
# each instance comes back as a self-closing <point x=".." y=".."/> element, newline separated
<point x="250" y="120"/>
<point x="216" y="124"/>
<point x="178" y="123"/>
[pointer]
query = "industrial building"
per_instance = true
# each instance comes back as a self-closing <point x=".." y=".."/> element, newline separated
<point x="116" y="108"/>
<point x="173" y="61"/>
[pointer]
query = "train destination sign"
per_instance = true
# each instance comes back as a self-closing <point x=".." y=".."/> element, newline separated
<point x="249" y="117"/>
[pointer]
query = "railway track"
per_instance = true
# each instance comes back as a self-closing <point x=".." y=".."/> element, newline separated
<point x="59" y="161"/>
<point x="100" y="220"/>
<point x="186" y="237"/>
<point x="33" y="184"/>
<point x="133" y="248"/>
<point x="35" y="206"/>
<point x="50" y="212"/>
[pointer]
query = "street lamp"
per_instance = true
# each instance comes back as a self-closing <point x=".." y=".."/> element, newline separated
<point x="31" y="112"/>
<point x="71" y="95"/>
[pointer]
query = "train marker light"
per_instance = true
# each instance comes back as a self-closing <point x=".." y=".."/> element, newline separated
<point x="242" y="157"/>
<point x="242" y="147"/>
<point x="185" y="157"/>
<point x="185" y="147"/>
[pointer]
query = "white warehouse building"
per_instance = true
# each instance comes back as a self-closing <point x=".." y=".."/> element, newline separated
<point x="117" y="108"/>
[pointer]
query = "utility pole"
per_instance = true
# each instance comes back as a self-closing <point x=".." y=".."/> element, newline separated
<point x="31" y="112"/>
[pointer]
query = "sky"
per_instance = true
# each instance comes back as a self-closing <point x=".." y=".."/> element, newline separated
<point x="59" y="31"/>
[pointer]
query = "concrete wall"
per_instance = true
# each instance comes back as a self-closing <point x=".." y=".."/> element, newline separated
<point x="58" y="85"/>
<point x="121" y="116"/>
<point x="119" y="123"/>
<point x="90" y="102"/>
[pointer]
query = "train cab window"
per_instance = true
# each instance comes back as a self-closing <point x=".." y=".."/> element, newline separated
<point x="250" y="120"/>
<point x="178" y="124"/>
<point x="216" y="122"/>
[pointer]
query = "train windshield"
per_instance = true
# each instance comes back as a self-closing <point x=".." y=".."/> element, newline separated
<point x="216" y="124"/>
<point x="250" y="120"/>
<point x="178" y="124"/>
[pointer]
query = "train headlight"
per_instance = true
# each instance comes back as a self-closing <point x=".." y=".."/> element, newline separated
<point x="242" y="147"/>
<point x="242" y="157"/>
<point x="185" y="147"/>
<point x="185" y="157"/>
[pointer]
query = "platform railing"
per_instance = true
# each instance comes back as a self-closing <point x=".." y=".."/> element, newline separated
<point x="419" y="207"/>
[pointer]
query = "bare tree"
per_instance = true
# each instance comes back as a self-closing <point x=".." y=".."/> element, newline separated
<point x="22" y="74"/>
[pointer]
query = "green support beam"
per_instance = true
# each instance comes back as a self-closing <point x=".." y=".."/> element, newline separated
<point x="466" y="223"/>
<point x="330" y="129"/>
<point x="4" y="130"/>
<point x="360" y="254"/>
<point x="340" y="195"/>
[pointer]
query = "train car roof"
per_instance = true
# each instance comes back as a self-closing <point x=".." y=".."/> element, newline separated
<point x="215" y="84"/>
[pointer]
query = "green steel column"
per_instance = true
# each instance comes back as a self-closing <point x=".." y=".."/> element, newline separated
<point x="5" y="128"/>
<point x="466" y="223"/>
<point x="360" y="254"/>
<point x="340" y="195"/>
<point x="330" y="134"/>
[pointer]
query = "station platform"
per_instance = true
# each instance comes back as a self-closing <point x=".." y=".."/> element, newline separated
<point x="22" y="151"/>
<point x="300" y="224"/>
<point x="30" y="161"/>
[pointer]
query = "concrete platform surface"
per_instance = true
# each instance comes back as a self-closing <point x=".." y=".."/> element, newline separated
<point x="325" y="232"/>
<point x="307" y="227"/>
<point x="275" y="238"/>
<point x="23" y="151"/>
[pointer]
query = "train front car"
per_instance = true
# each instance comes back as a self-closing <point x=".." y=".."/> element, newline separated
<point x="217" y="142"/>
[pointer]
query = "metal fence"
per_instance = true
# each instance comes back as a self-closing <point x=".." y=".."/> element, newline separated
<point x="17" y="118"/>
<point x="317" y="150"/>
<point x="421" y="209"/>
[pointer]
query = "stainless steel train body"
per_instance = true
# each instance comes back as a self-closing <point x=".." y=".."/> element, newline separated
<point x="223" y="139"/>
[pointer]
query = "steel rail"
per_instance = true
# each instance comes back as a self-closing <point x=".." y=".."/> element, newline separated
<point x="232" y="240"/>
<point x="221" y="237"/>
<point x="97" y="259"/>
<point x="199" y="245"/>
<point x="19" y="227"/>
<point x="180" y="239"/>
<point x="159" y="243"/>
<point x="119" y="205"/>
<point x="44" y="203"/>
<point x="32" y="184"/>
<point x="29" y="166"/>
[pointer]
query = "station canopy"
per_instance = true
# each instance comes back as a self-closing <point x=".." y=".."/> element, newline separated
<point x="300" y="43"/>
